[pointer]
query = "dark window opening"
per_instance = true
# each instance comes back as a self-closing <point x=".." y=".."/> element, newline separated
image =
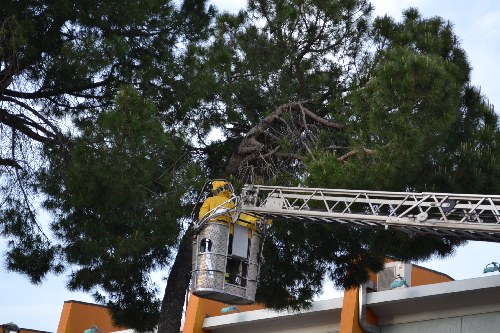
<point x="205" y="245"/>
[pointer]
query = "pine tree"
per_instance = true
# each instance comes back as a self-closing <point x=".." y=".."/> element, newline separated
<point x="62" y="65"/>
<point x="308" y="93"/>
<point x="367" y="105"/>
<point x="118" y="206"/>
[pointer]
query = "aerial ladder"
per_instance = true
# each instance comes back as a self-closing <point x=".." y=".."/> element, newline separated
<point x="463" y="216"/>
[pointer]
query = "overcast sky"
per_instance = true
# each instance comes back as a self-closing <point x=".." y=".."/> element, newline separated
<point x="477" y="24"/>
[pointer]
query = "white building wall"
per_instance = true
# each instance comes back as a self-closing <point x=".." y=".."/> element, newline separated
<point x="322" y="317"/>
<point x="448" y="325"/>
<point x="481" y="323"/>
<point x="478" y="323"/>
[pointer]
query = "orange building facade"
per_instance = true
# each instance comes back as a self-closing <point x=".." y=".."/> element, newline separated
<point x="79" y="316"/>
<point x="200" y="309"/>
<point x="202" y="315"/>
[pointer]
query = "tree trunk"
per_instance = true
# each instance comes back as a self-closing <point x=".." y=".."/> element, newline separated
<point x="177" y="284"/>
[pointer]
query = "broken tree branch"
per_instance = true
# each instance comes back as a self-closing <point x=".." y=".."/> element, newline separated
<point x="344" y="157"/>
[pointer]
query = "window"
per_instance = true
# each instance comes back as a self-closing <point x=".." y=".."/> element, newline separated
<point x="205" y="245"/>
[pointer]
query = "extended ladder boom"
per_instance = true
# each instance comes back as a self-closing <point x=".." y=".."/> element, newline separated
<point x="466" y="216"/>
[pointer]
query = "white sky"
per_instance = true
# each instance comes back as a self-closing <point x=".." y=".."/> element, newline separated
<point x="477" y="24"/>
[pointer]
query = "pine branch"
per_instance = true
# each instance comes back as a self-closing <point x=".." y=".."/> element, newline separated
<point x="19" y="124"/>
<point x="344" y="157"/>
<point x="10" y="163"/>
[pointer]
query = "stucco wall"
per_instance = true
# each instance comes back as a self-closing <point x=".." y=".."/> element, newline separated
<point x="478" y="323"/>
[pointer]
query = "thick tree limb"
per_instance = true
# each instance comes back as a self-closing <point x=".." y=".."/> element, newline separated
<point x="319" y="119"/>
<point x="34" y="112"/>
<point x="42" y="93"/>
<point x="259" y="144"/>
<point x="10" y="163"/>
<point x="344" y="157"/>
<point x="251" y="145"/>
<point x="20" y="125"/>
<point x="272" y="152"/>
<point x="177" y="286"/>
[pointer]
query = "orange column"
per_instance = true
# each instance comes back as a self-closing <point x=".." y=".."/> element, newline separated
<point x="198" y="309"/>
<point x="349" y="318"/>
<point x="64" y="319"/>
<point x="195" y="315"/>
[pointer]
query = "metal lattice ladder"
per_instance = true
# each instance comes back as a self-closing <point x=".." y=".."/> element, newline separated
<point x="465" y="216"/>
